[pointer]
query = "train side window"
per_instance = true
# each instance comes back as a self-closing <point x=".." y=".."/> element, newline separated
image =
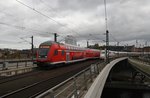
<point x="56" y="52"/>
<point x="63" y="52"/>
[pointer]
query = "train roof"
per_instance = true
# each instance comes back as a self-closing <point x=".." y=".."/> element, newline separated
<point x="49" y="43"/>
<point x="52" y="42"/>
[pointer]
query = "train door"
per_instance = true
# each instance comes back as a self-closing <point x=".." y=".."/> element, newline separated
<point x="67" y="56"/>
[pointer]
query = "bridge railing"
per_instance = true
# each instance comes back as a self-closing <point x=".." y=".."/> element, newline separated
<point x="75" y="86"/>
<point x="141" y="60"/>
<point x="96" y="88"/>
<point x="10" y="64"/>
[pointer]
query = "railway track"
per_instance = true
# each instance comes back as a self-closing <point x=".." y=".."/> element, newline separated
<point x="31" y="86"/>
<point x="141" y="70"/>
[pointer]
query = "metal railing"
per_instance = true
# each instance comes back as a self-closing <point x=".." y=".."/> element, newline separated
<point x="141" y="60"/>
<point x="141" y="66"/>
<point x="96" y="89"/>
<point x="16" y="71"/>
<point x="14" y="64"/>
<point x="75" y="86"/>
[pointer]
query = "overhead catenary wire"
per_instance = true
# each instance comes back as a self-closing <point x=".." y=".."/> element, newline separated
<point x="96" y="38"/>
<point x="118" y="42"/>
<point x="21" y="27"/>
<point x="37" y="11"/>
<point x="27" y="29"/>
<point x="24" y="28"/>
<point x="6" y="41"/>
<point x="47" y="16"/>
<point x="115" y="40"/>
<point x="106" y="24"/>
<point x="52" y="9"/>
<point x="25" y="40"/>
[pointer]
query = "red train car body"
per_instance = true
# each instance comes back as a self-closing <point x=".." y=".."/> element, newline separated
<point x="51" y="53"/>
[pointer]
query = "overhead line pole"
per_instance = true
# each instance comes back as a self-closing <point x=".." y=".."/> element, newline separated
<point x="32" y="46"/>
<point x="118" y="48"/>
<point x="87" y="43"/>
<point x="55" y="37"/>
<point x="107" y="35"/>
<point x="107" y="46"/>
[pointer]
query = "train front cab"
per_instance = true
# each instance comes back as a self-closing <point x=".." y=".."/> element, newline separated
<point x="43" y="55"/>
<point x="55" y="55"/>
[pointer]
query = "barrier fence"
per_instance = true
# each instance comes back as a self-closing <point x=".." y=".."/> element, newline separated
<point x="5" y="65"/>
<point x="141" y="60"/>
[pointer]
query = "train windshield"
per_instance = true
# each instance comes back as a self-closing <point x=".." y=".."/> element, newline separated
<point x="43" y="52"/>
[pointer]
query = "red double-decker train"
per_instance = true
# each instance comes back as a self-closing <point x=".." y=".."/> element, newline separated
<point x="51" y="53"/>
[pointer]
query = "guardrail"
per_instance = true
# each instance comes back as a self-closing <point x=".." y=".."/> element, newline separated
<point x="16" y="71"/>
<point x="141" y="60"/>
<point x="75" y="86"/>
<point x="4" y="65"/>
<point x="141" y="66"/>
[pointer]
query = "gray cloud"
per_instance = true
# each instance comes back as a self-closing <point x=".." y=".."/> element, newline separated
<point x="128" y="20"/>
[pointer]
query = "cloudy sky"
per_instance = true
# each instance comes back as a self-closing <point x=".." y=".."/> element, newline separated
<point x="128" y="21"/>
